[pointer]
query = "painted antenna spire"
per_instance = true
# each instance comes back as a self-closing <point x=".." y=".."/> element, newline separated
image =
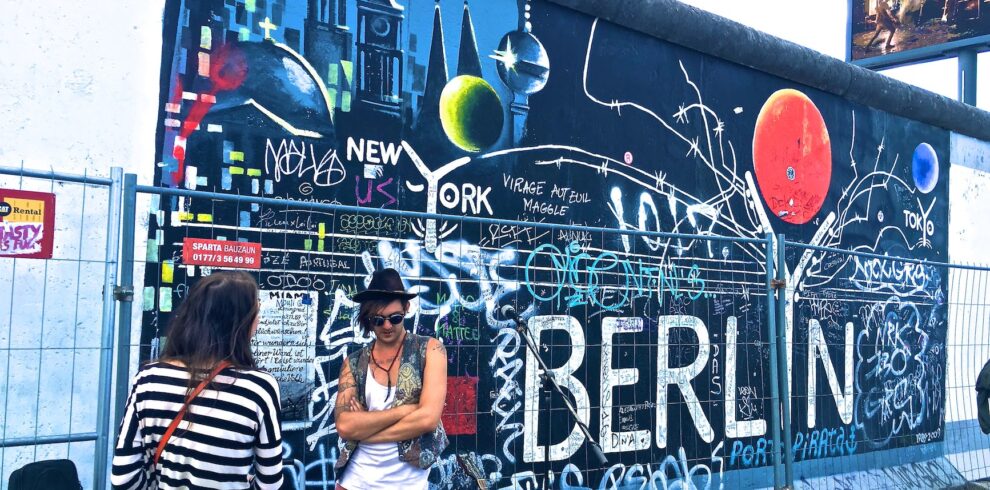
<point x="468" y="60"/>
<point x="436" y="72"/>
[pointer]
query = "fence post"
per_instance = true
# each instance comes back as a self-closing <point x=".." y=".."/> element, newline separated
<point x="774" y="388"/>
<point x="782" y="374"/>
<point x="100" y="461"/>
<point x="125" y="295"/>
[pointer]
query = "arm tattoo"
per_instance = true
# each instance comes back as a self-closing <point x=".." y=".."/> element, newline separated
<point x="344" y="403"/>
<point x="344" y="384"/>
<point x="439" y="347"/>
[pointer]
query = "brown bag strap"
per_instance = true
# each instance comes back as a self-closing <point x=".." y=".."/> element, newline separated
<point x="182" y="412"/>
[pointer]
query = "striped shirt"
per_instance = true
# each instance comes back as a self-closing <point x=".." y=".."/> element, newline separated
<point x="230" y="437"/>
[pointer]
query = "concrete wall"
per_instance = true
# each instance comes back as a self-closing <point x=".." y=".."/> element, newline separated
<point x="78" y="94"/>
<point x="627" y="117"/>
<point x="969" y="316"/>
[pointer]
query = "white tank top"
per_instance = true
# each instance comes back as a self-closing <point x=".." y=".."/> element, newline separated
<point x="376" y="466"/>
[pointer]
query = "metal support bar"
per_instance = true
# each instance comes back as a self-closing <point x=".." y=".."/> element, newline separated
<point x="56" y="176"/>
<point x="57" y="439"/>
<point x="782" y="367"/>
<point x="868" y="255"/>
<point x="126" y="299"/>
<point x="316" y="206"/>
<point x="101" y="459"/>
<point x="547" y="378"/>
<point x="774" y="388"/>
<point x="967" y="76"/>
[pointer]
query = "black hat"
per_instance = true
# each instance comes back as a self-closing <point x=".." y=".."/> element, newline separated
<point x="385" y="284"/>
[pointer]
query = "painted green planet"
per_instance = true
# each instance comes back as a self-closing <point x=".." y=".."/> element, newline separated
<point x="471" y="113"/>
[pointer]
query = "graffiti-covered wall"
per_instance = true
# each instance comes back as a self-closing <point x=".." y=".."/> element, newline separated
<point x="527" y="111"/>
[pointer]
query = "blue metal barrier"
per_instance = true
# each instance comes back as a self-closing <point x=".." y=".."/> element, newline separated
<point x="72" y="190"/>
<point x="959" y="289"/>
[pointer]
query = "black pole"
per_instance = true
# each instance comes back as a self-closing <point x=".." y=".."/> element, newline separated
<point x="548" y="380"/>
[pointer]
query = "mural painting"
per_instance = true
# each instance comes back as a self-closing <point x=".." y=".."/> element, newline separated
<point x="527" y="111"/>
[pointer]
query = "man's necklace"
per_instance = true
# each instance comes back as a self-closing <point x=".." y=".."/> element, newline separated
<point x="388" y="372"/>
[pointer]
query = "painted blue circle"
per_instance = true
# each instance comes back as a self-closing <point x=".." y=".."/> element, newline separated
<point x="924" y="168"/>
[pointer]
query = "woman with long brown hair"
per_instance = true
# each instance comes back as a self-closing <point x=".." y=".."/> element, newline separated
<point x="204" y="415"/>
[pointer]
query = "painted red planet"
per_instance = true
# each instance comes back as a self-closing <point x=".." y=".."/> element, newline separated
<point x="792" y="156"/>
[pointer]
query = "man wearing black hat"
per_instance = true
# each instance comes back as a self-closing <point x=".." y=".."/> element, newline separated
<point x="390" y="396"/>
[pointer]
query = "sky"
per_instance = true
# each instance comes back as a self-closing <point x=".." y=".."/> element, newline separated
<point x="827" y="33"/>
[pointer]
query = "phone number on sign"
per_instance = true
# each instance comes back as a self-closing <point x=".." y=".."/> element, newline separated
<point x="222" y="259"/>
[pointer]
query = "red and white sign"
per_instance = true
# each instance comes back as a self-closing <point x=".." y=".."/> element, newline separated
<point x="221" y="253"/>
<point x="27" y="224"/>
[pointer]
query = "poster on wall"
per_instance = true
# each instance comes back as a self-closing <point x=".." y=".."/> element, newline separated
<point x="221" y="253"/>
<point x="27" y="224"/>
<point x="885" y="27"/>
<point x="540" y="114"/>
<point x="285" y="345"/>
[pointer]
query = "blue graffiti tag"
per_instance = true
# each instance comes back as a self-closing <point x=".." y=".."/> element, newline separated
<point x="605" y="280"/>
<point x="821" y="443"/>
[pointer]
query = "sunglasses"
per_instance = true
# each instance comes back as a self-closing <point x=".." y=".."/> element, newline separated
<point x="394" y="319"/>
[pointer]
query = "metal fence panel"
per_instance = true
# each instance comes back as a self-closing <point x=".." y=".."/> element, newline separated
<point x="968" y="349"/>
<point x="54" y="323"/>
<point x="892" y="348"/>
<point x="866" y="346"/>
<point x="618" y="311"/>
<point x="876" y="357"/>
